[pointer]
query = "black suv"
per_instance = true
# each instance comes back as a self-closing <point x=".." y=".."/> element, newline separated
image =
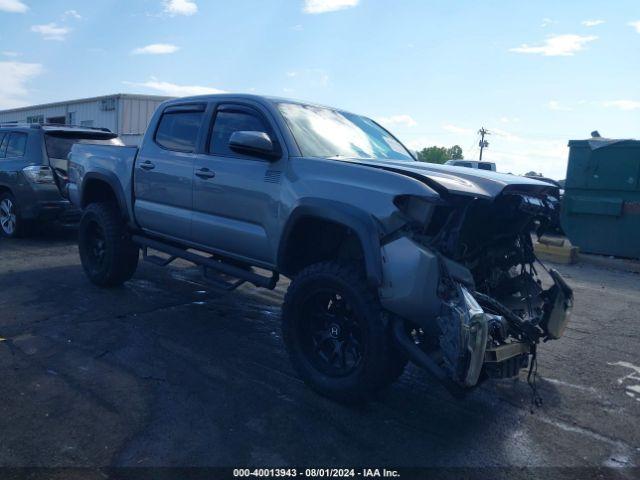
<point x="33" y="173"/>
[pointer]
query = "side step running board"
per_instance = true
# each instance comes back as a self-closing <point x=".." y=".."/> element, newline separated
<point x="205" y="262"/>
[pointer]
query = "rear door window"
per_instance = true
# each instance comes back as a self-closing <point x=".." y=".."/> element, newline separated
<point x="179" y="130"/>
<point x="485" y="166"/>
<point x="17" y="145"/>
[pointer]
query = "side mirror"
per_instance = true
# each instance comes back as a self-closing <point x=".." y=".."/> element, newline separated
<point x="253" y="143"/>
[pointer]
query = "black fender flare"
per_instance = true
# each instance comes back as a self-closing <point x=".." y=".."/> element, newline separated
<point x="110" y="179"/>
<point x="363" y="224"/>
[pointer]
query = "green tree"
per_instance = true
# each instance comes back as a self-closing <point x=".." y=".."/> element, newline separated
<point x="440" y="154"/>
<point x="455" y="153"/>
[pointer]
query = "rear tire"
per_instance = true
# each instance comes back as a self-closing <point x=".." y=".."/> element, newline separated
<point x="108" y="255"/>
<point x="336" y="333"/>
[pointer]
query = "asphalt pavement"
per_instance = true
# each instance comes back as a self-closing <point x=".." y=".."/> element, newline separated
<point x="169" y="371"/>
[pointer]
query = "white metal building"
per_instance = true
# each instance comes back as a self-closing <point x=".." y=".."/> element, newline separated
<point x="125" y="114"/>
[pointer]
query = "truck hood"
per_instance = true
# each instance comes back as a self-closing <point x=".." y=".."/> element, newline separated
<point x="461" y="180"/>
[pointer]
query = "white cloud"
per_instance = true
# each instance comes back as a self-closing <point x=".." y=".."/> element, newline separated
<point x="457" y="129"/>
<point x="297" y="28"/>
<point x="51" y="31"/>
<point x="623" y="104"/>
<point x="8" y="53"/>
<point x="173" y="89"/>
<point x="557" y="106"/>
<point x="505" y="135"/>
<point x="592" y="23"/>
<point x="509" y="119"/>
<point x="13" y="6"/>
<point x="15" y="76"/>
<point x="557" y="45"/>
<point x="324" y="6"/>
<point x="71" y="14"/>
<point x="546" y="22"/>
<point x="394" y="120"/>
<point x="180" y="7"/>
<point x="635" y="25"/>
<point x="155" y="49"/>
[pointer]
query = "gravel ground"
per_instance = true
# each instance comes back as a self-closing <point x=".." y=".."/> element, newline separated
<point x="169" y="371"/>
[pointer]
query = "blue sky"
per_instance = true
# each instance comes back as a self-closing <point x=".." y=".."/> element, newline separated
<point x="535" y="73"/>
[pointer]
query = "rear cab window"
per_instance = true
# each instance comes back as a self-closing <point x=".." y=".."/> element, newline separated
<point x="485" y="166"/>
<point x="179" y="127"/>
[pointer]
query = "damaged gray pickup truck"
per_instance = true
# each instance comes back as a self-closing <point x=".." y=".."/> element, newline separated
<point x="390" y="259"/>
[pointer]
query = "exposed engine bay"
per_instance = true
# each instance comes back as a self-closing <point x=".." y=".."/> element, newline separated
<point x="492" y="307"/>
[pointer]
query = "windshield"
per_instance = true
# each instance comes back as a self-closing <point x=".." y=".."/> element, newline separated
<point x="59" y="147"/>
<point x="326" y="133"/>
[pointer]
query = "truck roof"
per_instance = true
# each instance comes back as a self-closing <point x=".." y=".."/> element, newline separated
<point x="246" y="96"/>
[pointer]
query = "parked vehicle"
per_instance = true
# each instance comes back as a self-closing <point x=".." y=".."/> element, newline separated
<point x="553" y="226"/>
<point x="601" y="207"/>
<point x="472" y="164"/>
<point x="29" y="191"/>
<point x="390" y="259"/>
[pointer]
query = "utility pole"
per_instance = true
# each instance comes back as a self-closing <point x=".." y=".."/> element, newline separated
<point x="483" y="143"/>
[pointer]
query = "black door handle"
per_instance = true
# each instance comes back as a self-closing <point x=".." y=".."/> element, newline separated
<point x="205" y="173"/>
<point x="147" y="165"/>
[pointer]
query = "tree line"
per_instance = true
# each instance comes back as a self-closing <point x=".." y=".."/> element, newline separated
<point x="440" y="154"/>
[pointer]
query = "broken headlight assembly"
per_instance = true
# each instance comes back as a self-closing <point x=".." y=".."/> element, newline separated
<point x="463" y="338"/>
<point x="416" y="209"/>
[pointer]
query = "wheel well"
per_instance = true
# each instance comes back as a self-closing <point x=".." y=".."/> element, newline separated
<point x="314" y="240"/>
<point x="4" y="189"/>
<point x="98" y="191"/>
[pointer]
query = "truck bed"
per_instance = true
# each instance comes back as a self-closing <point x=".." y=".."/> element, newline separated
<point x="110" y="163"/>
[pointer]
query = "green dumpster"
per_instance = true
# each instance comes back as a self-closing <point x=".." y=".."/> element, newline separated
<point x="601" y="206"/>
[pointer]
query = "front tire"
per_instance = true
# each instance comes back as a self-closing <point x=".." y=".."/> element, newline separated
<point x="108" y="255"/>
<point x="336" y="333"/>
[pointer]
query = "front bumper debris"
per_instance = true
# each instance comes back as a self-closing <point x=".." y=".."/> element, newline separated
<point x="463" y="339"/>
<point x="558" y="307"/>
<point x="467" y="352"/>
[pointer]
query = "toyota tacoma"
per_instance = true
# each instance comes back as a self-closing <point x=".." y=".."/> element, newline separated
<point x="391" y="260"/>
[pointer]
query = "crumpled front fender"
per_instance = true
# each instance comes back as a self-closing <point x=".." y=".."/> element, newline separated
<point x="410" y="279"/>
